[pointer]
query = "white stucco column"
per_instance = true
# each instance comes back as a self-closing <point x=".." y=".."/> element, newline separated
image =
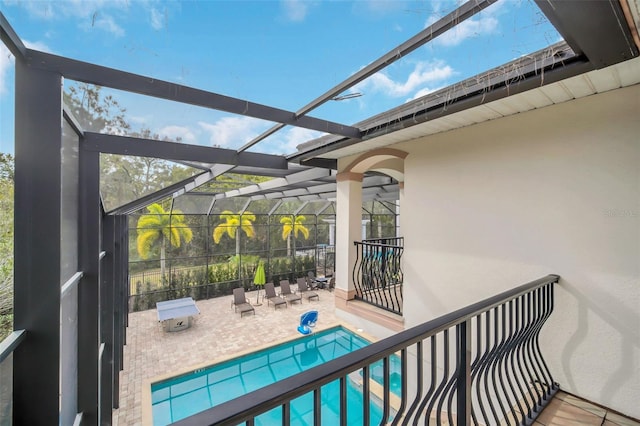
<point x="399" y="228"/>
<point x="348" y="230"/>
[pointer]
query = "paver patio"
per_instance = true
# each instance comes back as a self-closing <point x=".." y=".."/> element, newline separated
<point x="218" y="332"/>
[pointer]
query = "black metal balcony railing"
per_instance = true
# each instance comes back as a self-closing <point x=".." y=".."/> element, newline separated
<point x="377" y="274"/>
<point x="479" y="365"/>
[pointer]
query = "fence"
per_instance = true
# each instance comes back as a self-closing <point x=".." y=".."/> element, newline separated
<point x="219" y="279"/>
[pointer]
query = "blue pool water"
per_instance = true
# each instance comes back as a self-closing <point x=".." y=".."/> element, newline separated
<point x="183" y="396"/>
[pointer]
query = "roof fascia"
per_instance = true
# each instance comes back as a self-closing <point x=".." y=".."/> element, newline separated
<point x="493" y="85"/>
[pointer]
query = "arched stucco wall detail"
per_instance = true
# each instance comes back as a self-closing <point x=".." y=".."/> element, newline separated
<point x="349" y="213"/>
<point x="389" y="159"/>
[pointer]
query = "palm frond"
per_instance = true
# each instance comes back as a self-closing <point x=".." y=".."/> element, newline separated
<point x="303" y="230"/>
<point x="148" y="221"/>
<point x="173" y="236"/>
<point x="248" y="216"/>
<point x="218" y="232"/>
<point x="186" y="233"/>
<point x="145" y="242"/>
<point x="232" y="225"/>
<point x="286" y="231"/>
<point x="247" y="227"/>
<point x="286" y="220"/>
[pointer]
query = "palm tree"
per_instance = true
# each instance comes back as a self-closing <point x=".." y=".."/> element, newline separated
<point x="232" y="223"/>
<point x="293" y="225"/>
<point x="159" y="226"/>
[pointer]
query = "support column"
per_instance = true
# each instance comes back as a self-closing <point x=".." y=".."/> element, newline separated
<point x="38" y="269"/>
<point x="89" y="289"/>
<point x="348" y="230"/>
<point x="399" y="228"/>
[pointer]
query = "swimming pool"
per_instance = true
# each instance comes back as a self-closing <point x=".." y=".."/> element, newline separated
<point x="188" y="394"/>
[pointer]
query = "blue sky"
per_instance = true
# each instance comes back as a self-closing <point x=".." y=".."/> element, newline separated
<point x="279" y="53"/>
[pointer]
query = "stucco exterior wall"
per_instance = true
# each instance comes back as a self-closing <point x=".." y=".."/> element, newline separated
<point x="555" y="190"/>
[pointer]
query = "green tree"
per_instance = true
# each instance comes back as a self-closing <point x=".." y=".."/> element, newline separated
<point x="233" y="222"/>
<point x="6" y="244"/>
<point x="94" y="111"/>
<point x="157" y="227"/>
<point x="293" y="225"/>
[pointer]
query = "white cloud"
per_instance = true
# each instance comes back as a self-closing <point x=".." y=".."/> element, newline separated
<point x="289" y="140"/>
<point x="6" y="62"/>
<point x="472" y="27"/>
<point x="49" y="10"/>
<point x="422" y="74"/>
<point x="295" y="10"/>
<point x="425" y="91"/>
<point x="157" y="19"/>
<point x="91" y="14"/>
<point x="233" y="132"/>
<point x="175" y="132"/>
<point x="106" y="23"/>
<point x="138" y="119"/>
<point x="37" y="45"/>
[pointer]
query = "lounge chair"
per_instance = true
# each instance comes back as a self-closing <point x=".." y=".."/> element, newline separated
<point x="272" y="297"/>
<point x="307" y="322"/>
<point x="241" y="303"/>
<point x="332" y="284"/>
<point x="285" y="291"/>
<point x="304" y="290"/>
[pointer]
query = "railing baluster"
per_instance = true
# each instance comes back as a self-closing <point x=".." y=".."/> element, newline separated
<point x="475" y="363"/>
<point x="403" y="389"/>
<point x="386" y="390"/>
<point x="365" y="395"/>
<point x="501" y="368"/>
<point x="434" y="376"/>
<point x="516" y="331"/>
<point x="443" y="382"/>
<point x="317" y="407"/>
<point x="495" y="360"/>
<point x="548" y="295"/>
<point x="464" y="374"/>
<point x="532" y="326"/>
<point x="481" y="366"/>
<point x="419" y="383"/>
<point x="343" y="401"/>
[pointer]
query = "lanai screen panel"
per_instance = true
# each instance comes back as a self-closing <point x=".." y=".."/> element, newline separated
<point x="105" y="110"/>
<point x="125" y="178"/>
<point x="193" y="204"/>
<point x="496" y="35"/>
<point x="68" y="267"/>
<point x="380" y="218"/>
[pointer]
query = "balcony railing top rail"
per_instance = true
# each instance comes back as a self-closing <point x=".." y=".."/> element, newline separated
<point x="281" y="393"/>
<point x="10" y="343"/>
<point x="389" y="241"/>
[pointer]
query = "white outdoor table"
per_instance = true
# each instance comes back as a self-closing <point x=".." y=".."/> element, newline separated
<point x="176" y="315"/>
